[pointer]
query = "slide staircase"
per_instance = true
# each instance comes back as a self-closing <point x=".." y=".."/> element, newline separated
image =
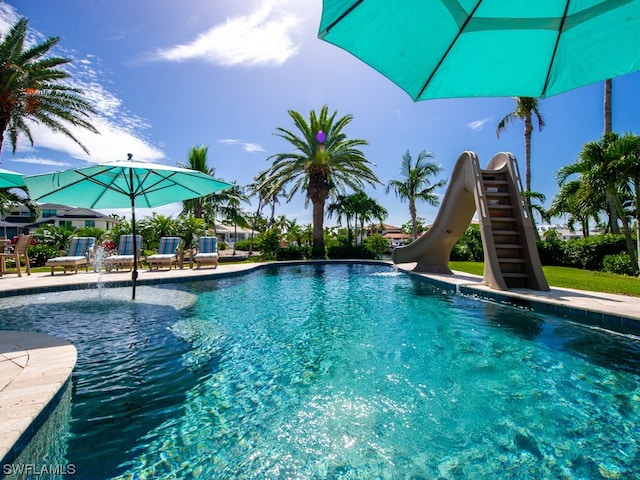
<point x="510" y="254"/>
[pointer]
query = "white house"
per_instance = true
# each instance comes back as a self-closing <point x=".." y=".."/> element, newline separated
<point x="59" y="215"/>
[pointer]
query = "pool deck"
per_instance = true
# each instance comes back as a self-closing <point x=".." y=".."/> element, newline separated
<point x="34" y="367"/>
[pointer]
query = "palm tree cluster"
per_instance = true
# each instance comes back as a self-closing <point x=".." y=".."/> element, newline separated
<point x="605" y="179"/>
<point x="323" y="164"/>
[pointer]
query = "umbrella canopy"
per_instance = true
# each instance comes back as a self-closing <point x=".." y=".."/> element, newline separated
<point x="119" y="184"/>
<point x="488" y="48"/>
<point x="9" y="179"/>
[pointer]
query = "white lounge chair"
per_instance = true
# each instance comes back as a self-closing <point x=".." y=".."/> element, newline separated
<point x="167" y="253"/>
<point x="124" y="257"/>
<point x="78" y="254"/>
<point x="207" y="252"/>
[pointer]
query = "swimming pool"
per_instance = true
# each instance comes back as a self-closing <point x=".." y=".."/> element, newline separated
<point x="336" y="371"/>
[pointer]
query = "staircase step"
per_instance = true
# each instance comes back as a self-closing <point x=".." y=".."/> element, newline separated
<point x="515" y="275"/>
<point x="510" y="260"/>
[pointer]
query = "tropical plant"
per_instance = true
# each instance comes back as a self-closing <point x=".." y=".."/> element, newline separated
<point x="323" y="163"/>
<point x="342" y="206"/>
<point x="578" y="206"/>
<point x="627" y="150"/>
<point x="190" y="228"/>
<point x="196" y="160"/>
<point x="415" y="184"/>
<point x="33" y="89"/>
<point x="526" y="108"/>
<point x="55" y="236"/>
<point x="155" y="227"/>
<point x="9" y="198"/>
<point x="602" y="173"/>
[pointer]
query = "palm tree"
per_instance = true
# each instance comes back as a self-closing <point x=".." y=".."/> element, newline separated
<point x="526" y="109"/>
<point x="602" y="175"/>
<point x="32" y="89"/>
<point x="366" y="209"/>
<point x="627" y="149"/>
<point x="415" y="183"/>
<point x="343" y="206"/>
<point x="324" y="162"/>
<point x="196" y="160"/>
<point x="572" y="201"/>
<point x="229" y="208"/>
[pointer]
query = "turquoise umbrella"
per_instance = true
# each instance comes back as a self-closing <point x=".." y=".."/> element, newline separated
<point x="124" y="183"/>
<point x="9" y="179"/>
<point x="487" y="48"/>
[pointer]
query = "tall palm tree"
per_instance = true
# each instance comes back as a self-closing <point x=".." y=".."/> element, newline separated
<point x="415" y="183"/>
<point x="197" y="160"/>
<point x="32" y="89"/>
<point x="526" y="108"/>
<point x="323" y="162"/>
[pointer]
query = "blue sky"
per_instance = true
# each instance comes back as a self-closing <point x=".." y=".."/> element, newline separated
<point x="166" y="76"/>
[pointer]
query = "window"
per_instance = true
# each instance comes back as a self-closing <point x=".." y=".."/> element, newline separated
<point x="89" y="223"/>
<point x="49" y="212"/>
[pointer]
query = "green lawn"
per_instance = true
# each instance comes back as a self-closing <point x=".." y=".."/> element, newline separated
<point x="572" y="278"/>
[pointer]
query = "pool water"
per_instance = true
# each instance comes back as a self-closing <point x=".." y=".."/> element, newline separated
<point x="337" y="372"/>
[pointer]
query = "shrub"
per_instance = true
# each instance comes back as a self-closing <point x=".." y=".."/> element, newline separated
<point x="551" y="249"/>
<point x="293" y="253"/>
<point x="54" y="236"/>
<point x="345" y="251"/>
<point x="588" y="253"/>
<point x="377" y="245"/>
<point x="245" y="245"/>
<point x="39" y="254"/>
<point x="620" y="264"/>
<point x="461" y="253"/>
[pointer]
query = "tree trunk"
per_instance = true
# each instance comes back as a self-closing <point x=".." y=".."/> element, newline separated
<point x="528" y="129"/>
<point x="626" y="230"/>
<point x="607" y="106"/>
<point x="414" y="223"/>
<point x="317" y="250"/>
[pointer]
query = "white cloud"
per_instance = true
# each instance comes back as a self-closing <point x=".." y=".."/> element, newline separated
<point x="262" y="38"/>
<point x="252" y="147"/>
<point x="229" y="141"/>
<point x="41" y="161"/>
<point x="246" y="146"/>
<point x="478" y="124"/>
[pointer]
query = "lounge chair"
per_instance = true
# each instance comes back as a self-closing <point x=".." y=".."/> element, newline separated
<point x="207" y="252"/>
<point x="167" y="253"/>
<point x="124" y="257"/>
<point x="20" y="251"/>
<point x="78" y="255"/>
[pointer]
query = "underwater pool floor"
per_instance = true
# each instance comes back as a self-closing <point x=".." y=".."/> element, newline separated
<point x="596" y="308"/>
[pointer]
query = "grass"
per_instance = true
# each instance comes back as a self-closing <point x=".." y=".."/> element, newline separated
<point x="566" y="277"/>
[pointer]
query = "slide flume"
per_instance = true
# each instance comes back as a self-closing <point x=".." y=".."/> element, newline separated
<point x="511" y="257"/>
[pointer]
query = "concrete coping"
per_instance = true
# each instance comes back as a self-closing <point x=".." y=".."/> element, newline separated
<point x="34" y="368"/>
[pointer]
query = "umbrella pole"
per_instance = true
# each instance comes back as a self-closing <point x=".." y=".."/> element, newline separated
<point x="134" y="272"/>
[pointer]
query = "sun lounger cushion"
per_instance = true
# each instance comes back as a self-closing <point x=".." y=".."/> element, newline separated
<point x="77" y="255"/>
<point x="207" y="251"/>
<point x="167" y="252"/>
<point x="124" y="258"/>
